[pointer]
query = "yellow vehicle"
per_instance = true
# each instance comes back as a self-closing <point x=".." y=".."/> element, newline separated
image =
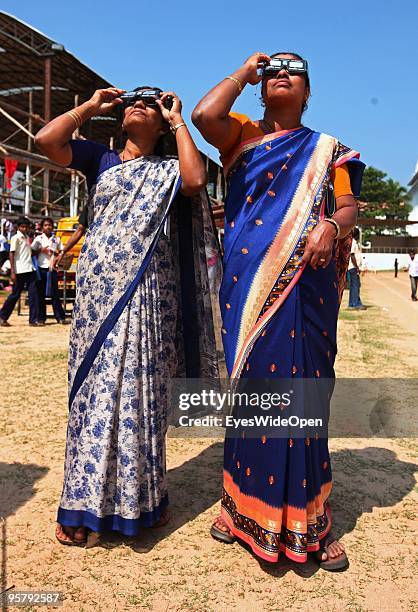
<point x="67" y="279"/>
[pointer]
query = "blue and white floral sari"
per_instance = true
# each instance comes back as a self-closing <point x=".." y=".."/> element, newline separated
<point x="128" y="339"/>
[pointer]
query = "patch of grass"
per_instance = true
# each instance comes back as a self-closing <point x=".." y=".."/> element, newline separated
<point x="348" y="315"/>
<point x="378" y="343"/>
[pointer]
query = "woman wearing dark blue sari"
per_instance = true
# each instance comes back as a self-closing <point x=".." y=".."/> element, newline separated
<point x="286" y="254"/>
<point x="142" y="310"/>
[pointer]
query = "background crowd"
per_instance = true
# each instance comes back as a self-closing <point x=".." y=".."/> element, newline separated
<point x="29" y="255"/>
<point x="37" y="253"/>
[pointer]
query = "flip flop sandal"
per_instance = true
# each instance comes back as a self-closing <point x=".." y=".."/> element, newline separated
<point x="222" y="536"/>
<point x="69" y="542"/>
<point x="334" y="564"/>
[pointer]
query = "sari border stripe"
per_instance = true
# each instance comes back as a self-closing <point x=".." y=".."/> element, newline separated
<point x="111" y="522"/>
<point x="111" y="319"/>
<point x="273" y="556"/>
<point x="262" y="323"/>
<point x="251" y="143"/>
<point x="257" y="510"/>
<point x="281" y="546"/>
<point x="280" y="250"/>
<point x="352" y="154"/>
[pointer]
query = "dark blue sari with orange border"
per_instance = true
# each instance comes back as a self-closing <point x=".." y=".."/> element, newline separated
<point x="279" y="321"/>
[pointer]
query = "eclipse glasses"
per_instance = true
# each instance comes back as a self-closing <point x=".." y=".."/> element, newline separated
<point x="292" y="66"/>
<point x="148" y="97"/>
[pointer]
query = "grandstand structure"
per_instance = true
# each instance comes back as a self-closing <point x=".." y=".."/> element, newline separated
<point x="40" y="79"/>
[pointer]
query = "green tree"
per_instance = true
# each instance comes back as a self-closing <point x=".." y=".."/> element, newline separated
<point x="386" y="198"/>
<point x="373" y="188"/>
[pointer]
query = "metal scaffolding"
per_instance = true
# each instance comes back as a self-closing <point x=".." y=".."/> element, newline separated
<point x="39" y="80"/>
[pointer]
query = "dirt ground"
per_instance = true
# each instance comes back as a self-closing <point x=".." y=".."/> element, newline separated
<point x="180" y="567"/>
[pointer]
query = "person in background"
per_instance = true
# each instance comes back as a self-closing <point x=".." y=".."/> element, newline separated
<point x="396" y="267"/>
<point x="5" y="273"/>
<point x="8" y="228"/>
<point x="413" y="275"/>
<point x="6" y="268"/>
<point x="4" y="249"/>
<point x="22" y="274"/>
<point x="354" y="300"/>
<point x="76" y="237"/>
<point x="46" y="246"/>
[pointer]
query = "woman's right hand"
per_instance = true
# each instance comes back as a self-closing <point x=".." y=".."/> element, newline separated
<point x="104" y="100"/>
<point x="251" y="65"/>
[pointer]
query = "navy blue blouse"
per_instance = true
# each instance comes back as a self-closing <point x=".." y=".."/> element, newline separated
<point x="92" y="158"/>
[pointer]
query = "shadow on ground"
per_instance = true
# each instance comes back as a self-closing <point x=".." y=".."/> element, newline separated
<point x="193" y="487"/>
<point x="363" y="479"/>
<point x="17" y="485"/>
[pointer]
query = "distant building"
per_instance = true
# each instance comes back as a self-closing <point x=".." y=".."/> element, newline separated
<point x="413" y="194"/>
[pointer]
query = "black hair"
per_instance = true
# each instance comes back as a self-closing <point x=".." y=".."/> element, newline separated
<point x="23" y="221"/>
<point x="305" y="75"/>
<point x="356" y="233"/>
<point x="45" y="219"/>
<point x="166" y="144"/>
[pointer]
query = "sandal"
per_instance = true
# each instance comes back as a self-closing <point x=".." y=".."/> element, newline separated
<point x="223" y="536"/>
<point x="73" y="541"/>
<point x="163" y="520"/>
<point x="332" y="564"/>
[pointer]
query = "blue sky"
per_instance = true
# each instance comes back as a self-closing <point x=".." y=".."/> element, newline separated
<point x="362" y="55"/>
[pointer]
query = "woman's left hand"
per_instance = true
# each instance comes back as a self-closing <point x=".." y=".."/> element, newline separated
<point x="172" y="115"/>
<point x="319" y="247"/>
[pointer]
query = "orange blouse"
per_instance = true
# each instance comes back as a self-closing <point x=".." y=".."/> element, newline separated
<point x="243" y="128"/>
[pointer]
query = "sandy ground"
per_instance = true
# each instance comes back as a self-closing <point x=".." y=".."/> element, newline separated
<point x="179" y="567"/>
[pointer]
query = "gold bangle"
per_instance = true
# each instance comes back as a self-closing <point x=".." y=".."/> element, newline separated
<point x="80" y="118"/>
<point x="76" y="117"/>
<point x="237" y="82"/>
<point x="336" y="225"/>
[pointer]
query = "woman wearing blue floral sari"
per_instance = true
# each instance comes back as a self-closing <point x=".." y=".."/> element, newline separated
<point x="286" y="254"/>
<point x="142" y="311"/>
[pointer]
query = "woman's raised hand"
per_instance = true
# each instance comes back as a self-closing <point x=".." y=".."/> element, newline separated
<point x="104" y="100"/>
<point x="172" y="115"/>
<point x="251" y="64"/>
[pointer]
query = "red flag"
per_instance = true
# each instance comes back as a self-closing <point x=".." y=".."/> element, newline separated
<point x="11" y="165"/>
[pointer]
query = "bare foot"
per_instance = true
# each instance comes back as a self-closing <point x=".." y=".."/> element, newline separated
<point x="61" y="535"/>
<point x="221" y="525"/>
<point x="220" y="531"/>
<point x="70" y="535"/>
<point x="330" y="551"/>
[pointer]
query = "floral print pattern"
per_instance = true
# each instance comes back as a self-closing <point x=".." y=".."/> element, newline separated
<point x="115" y="455"/>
